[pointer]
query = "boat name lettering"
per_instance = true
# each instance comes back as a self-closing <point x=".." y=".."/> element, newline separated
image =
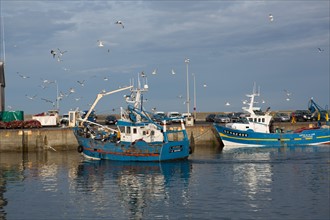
<point x="175" y="149"/>
<point x="235" y="133"/>
<point x="307" y="135"/>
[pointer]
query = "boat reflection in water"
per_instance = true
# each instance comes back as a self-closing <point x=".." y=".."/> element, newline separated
<point x="140" y="184"/>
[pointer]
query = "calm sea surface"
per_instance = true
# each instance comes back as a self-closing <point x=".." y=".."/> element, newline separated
<point x="271" y="183"/>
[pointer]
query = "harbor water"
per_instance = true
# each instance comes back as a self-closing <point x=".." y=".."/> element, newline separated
<point x="258" y="183"/>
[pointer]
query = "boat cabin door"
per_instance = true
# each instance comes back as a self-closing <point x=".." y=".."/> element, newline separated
<point x="72" y="118"/>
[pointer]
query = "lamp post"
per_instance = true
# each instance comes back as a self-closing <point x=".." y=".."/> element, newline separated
<point x="57" y="97"/>
<point x="188" y="100"/>
<point x="194" y="95"/>
<point x="189" y="119"/>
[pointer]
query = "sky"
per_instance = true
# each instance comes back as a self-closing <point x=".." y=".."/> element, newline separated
<point x="281" y="46"/>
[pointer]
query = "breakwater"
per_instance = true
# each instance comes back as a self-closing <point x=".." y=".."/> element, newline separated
<point x="60" y="139"/>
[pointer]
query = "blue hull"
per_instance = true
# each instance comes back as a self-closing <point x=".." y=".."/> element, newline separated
<point x="138" y="151"/>
<point x="234" y="137"/>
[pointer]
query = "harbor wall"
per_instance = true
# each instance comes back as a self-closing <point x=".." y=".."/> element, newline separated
<point x="59" y="138"/>
<point x="37" y="139"/>
<point x="63" y="138"/>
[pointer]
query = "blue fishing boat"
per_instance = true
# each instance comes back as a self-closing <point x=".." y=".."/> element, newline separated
<point x="136" y="138"/>
<point x="256" y="130"/>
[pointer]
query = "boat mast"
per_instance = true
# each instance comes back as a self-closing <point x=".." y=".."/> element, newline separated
<point x="2" y="62"/>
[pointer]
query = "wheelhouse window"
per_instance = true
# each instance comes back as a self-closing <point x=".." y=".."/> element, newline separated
<point x="122" y="129"/>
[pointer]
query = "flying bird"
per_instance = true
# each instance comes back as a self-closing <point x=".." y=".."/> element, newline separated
<point x="173" y="73"/>
<point x="53" y="52"/>
<point x="31" y="97"/>
<point x="143" y="74"/>
<point x="227" y="104"/>
<point x="23" y="76"/>
<point x="43" y="87"/>
<point x="105" y="78"/>
<point x="59" y="98"/>
<point x="154" y="72"/>
<point x="82" y="83"/>
<point x="61" y="52"/>
<point x="62" y="94"/>
<point x="100" y="43"/>
<point x="320" y="49"/>
<point x="120" y="23"/>
<point x="46" y="81"/>
<point x="288" y="94"/>
<point x="47" y="100"/>
<point x="71" y="90"/>
<point x="204" y="85"/>
<point x="271" y="17"/>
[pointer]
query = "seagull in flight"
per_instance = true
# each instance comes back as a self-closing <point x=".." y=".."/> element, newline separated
<point x="320" y="50"/>
<point x="31" y="97"/>
<point x="288" y="94"/>
<point x="46" y="81"/>
<point x="227" y="104"/>
<point x="154" y="72"/>
<point x="271" y="17"/>
<point x="204" y="85"/>
<point x="53" y="52"/>
<point x="59" y="59"/>
<point x="143" y="74"/>
<point x="105" y="78"/>
<point x="23" y="76"/>
<point x="82" y="83"/>
<point x="61" y="52"/>
<point x="71" y="90"/>
<point x="100" y="43"/>
<point x="47" y="100"/>
<point x="173" y="73"/>
<point x="43" y="87"/>
<point x="62" y="94"/>
<point x="120" y="23"/>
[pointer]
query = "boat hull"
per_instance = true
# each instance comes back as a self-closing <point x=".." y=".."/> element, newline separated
<point x="233" y="137"/>
<point x="132" y="151"/>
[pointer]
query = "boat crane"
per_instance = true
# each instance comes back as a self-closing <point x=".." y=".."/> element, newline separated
<point x="317" y="109"/>
<point x="101" y="95"/>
